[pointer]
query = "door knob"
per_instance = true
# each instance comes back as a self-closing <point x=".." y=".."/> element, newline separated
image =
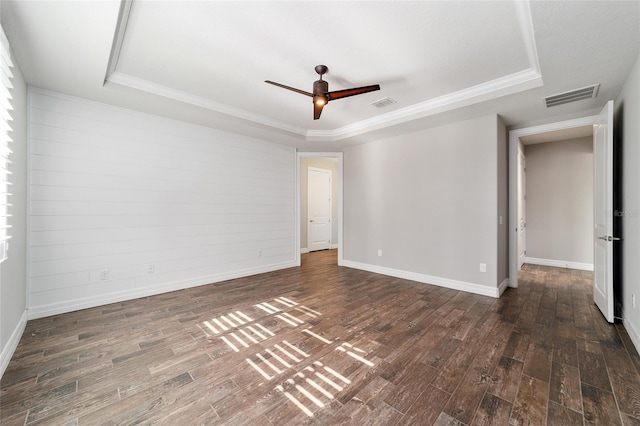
<point x="609" y="238"/>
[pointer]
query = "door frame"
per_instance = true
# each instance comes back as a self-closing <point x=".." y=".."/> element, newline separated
<point x="339" y="157"/>
<point x="514" y="151"/>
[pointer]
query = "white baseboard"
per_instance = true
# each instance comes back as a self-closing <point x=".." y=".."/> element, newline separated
<point x="105" y="299"/>
<point x="306" y="250"/>
<point x="633" y="332"/>
<point x="503" y="286"/>
<point x="559" y="263"/>
<point x="12" y="343"/>
<point x="427" y="279"/>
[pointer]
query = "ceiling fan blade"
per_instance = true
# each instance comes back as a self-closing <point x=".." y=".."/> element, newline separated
<point x="289" y="88"/>
<point x="339" y="94"/>
<point x="317" y="110"/>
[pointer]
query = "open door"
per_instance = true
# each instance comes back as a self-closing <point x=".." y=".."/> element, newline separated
<point x="603" y="214"/>
<point x="521" y="210"/>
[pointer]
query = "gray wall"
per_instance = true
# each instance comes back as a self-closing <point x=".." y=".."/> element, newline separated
<point x="559" y="203"/>
<point x="503" y="202"/>
<point x="628" y="111"/>
<point x="13" y="282"/>
<point x="429" y="200"/>
<point x="321" y="163"/>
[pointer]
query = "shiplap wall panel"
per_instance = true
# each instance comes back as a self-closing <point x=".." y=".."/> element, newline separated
<point x="117" y="190"/>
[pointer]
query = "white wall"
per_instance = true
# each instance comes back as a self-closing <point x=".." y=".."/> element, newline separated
<point x="627" y="113"/>
<point x="429" y="201"/>
<point x="117" y="190"/>
<point x="13" y="282"/>
<point x="322" y="163"/>
<point x="559" y="203"/>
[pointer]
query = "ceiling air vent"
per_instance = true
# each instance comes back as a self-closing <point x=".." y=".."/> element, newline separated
<point x="588" y="92"/>
<point x="380" y="103"/>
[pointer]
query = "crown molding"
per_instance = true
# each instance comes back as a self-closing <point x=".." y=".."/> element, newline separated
<point x="523" y="11"/>
<point x="499" y="87"/>
<point x="513" y="83"/>
<point x="199" y="101"/>
<point x="118" y="37"/>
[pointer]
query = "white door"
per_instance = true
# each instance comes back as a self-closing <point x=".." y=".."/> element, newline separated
<point x="603" y="213"/>
<point x="521" y="210"/>
<point x="318" y="209"/>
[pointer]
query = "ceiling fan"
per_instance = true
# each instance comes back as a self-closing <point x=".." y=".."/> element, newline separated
<point x="321" y="94"/>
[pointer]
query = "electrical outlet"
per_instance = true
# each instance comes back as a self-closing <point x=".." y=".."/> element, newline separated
<point x="500" y="221"/>
<point x="259" y="253"/>
<point x="483" y="267"/>
<point x="633" y="301"/>
<point x="379" y="252"/>
<point x="151" y="268"/>
<point x="104" y="274"/>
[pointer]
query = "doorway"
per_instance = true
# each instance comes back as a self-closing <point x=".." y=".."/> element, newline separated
<point x="324" y="229"/>
<point x="603" y="205"/>
<point x="557" y="198"/>
<point x="517" y="202"/>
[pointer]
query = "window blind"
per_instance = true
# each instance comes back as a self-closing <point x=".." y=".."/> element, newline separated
<point x="5" y="141"/>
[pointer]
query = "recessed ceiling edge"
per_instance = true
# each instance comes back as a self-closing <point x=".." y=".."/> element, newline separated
<point x="503" y="86"/>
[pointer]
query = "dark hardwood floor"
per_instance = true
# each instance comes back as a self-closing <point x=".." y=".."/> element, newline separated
<point x="321" y="344"/>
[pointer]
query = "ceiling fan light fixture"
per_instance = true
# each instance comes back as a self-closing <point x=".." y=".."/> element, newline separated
<point x="321" y="94"/>
<point x="320" y="100"/>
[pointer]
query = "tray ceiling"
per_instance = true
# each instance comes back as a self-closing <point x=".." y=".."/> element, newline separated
<point x="206" y="62"/>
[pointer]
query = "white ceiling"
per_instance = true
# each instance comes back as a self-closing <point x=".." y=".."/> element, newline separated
<point x="205" y="62"/>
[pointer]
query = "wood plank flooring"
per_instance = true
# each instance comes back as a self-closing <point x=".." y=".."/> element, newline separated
<point x="322" y="344"/>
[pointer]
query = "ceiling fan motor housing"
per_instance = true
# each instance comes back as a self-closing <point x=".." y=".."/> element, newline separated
<point x="320" y="87"/>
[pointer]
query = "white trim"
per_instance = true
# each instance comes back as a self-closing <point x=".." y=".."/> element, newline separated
<point x="633" y="333"/>
<point x="339" y="156"/>
<point x="297" y="223"/>
<point x="499" y="87"/>
<point x="306" y="250"/>
<point x="559" y="263"/>
<point x="189" y="98"/>
<point x="426" y="279"/>
<point x="91" y="302"/>
<point x="118" y="37"/>
<point x="502" y="86"/>
<point x="11" y="345"/>
<point x="503" y="286"/>
<point x="27" y="247"/>
<point x="528" y="34"/>
<point x="514" y="137"/>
